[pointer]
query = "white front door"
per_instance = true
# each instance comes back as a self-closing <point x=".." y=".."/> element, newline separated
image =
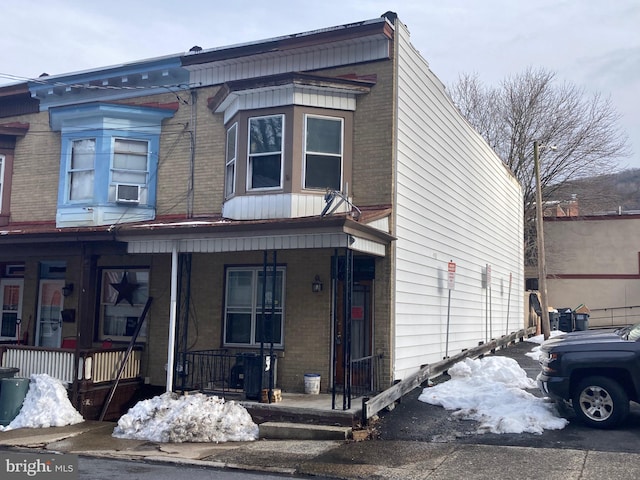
<point x="10" y="308"/>
<point x="49" y="326"/>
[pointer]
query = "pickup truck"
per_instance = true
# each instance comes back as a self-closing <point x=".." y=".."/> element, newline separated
<point x="597" y="371"/>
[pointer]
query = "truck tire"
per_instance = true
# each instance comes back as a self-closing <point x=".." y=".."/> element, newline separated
<point x="600" y="402"/>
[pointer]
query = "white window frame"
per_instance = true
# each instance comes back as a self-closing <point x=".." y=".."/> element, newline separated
<point x="231" y="155"/>
<point x="256" y="300"/>
<point x="326" y="154"/>
<point x="251" y="157"/>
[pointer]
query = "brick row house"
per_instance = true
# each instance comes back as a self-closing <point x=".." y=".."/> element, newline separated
<point x="298" y="200"/>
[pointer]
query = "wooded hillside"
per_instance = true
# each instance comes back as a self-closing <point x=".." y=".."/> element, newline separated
<point x="615" y="193"/>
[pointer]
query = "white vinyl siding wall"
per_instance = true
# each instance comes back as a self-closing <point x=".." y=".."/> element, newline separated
<point x="455" y="201"/>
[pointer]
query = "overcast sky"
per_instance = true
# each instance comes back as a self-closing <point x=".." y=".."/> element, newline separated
<point x="593" y="44"/>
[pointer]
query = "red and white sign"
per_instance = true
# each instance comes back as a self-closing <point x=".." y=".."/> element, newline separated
<point x="452" y="275"/>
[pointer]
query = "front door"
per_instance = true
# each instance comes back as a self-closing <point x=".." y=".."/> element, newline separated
<point x="49" y="325"/>
<point x="10" y="308"/>
<point x="360" y="334"/>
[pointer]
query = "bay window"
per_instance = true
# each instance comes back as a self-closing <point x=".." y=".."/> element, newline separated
<point x="244" y="321"/>
<point x="109" y="162"/>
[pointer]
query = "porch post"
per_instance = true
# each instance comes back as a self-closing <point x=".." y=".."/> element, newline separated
<point x="172" y="317"/>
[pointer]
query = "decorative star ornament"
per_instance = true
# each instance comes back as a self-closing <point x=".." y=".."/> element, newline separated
<point x="125" y="290"/>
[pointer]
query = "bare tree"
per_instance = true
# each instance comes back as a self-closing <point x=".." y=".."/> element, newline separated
<point x="533" y="106"/>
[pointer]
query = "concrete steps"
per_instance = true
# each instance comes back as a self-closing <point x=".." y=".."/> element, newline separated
<point x="303" y="431"/>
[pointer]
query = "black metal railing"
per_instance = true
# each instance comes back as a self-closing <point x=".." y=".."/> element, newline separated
<point x="210" y="371"/>
<point x="363" y="376"/>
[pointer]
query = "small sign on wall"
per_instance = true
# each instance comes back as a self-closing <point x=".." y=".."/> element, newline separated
<point x="452" y="275"/>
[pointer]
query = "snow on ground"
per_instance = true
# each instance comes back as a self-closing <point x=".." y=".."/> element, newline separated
<point x="190" y="418"/>
<point x="45" y="405"/>
<point x="492" y="391"/>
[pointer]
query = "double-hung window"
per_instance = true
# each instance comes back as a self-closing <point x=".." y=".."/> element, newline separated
<point x="82" y="170"/>
<point x="231" y="154"/>
<point x="246" y="294"/>
<point x="265" y="152"/>
<point x="130" y="168"/>
<point x="323" y="152"/>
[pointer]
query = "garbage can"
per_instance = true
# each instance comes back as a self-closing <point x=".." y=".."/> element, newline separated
<point x="12" y="396"/>
<point x="554" y="320"/>
<point x="7" y="372"/>
<point x="582" y="321"/>
<point x="566" y="321"/>
<point x="252" y="375"/>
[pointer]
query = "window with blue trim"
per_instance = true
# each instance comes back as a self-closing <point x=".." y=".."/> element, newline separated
<point x="108" y="172"/>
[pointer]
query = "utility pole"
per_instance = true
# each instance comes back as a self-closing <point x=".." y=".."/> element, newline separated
<point x="542" y="268"/>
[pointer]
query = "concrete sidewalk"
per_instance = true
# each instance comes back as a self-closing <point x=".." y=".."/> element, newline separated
<point x="338" y="459"/>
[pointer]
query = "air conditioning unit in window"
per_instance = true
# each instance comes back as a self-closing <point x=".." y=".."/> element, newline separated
<point x="127" y="193"/>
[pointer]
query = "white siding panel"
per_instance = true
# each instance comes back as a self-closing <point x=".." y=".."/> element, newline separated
<point x="260" y="207"/>
<point x="456" y="201"/>
<point x="240" y="244"/>
<point x="298" y="60"/>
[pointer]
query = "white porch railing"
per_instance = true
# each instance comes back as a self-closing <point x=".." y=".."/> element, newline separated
<point x="95" y="365"/>
<point x="56" y="363"/>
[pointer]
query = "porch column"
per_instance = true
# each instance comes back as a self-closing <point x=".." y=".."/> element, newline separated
<point x="173" y="313"/>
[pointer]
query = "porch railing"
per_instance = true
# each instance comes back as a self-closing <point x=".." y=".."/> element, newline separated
<point x="215" y="370"/>
<point x="221" y="371"/>
<point x="364" y="376"/>
<point x="94" y="365"/>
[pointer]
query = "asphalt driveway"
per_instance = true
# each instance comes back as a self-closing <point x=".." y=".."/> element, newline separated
<point x="422" y="422"/>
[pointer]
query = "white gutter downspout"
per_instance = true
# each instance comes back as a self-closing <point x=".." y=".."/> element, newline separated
<point x="173" y="314"/>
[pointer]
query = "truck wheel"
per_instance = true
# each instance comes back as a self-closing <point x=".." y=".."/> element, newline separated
<point x="600" y="402"/>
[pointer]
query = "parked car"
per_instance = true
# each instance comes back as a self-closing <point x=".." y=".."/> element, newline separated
<point x="597" y="371"/>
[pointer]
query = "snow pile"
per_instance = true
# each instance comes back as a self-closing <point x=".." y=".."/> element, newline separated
<point x="45" y="405"/>
<point x="491" y="390"/>
<point x="539" y="339"/>
<point x="191" y="418"/>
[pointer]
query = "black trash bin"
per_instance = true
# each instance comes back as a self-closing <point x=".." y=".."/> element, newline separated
<point x="554" y="320"/>
<point x="252" y="375"/>
<point x="566" y="321"/>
